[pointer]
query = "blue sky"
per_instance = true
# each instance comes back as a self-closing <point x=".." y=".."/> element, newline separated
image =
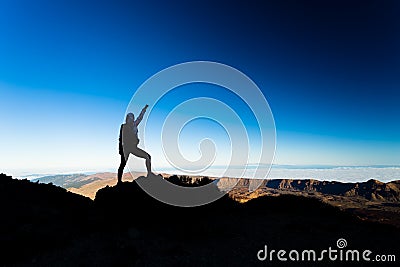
<point x="330" y="71"/>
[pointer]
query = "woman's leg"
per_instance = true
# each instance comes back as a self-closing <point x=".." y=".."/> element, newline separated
<point x="121" y="167"/>
<point x="144" y="155"/>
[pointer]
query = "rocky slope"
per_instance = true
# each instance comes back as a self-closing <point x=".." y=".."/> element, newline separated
<point x="44" y="225"/>
<point x="372" y="189"/>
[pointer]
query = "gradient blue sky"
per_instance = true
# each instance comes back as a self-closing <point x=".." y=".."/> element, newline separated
<point x="330" y="71"/>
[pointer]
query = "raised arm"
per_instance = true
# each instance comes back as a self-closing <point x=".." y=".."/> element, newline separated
<point x="140" y="117"/>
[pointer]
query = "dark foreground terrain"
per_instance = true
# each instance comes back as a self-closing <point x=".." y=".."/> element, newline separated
<point x="45" y="225"/>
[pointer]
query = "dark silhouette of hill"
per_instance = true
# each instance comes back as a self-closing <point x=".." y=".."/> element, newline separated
<point x="45" y="225"/>
<point x="38" y="217"/>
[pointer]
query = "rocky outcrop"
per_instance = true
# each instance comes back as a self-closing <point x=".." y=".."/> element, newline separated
<point x="372" y="189"/>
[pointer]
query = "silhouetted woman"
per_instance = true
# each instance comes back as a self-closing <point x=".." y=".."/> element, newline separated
<point x="128" y="141"/>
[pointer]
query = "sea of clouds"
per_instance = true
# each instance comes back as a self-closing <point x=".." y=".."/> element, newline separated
<point x="326" y="173"/>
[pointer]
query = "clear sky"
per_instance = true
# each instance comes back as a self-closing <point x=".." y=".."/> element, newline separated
<point x="330" y="71"/>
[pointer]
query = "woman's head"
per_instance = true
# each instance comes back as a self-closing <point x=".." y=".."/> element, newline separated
<point x="130" y="118"/>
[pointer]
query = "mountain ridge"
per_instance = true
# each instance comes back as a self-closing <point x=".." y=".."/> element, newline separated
<point x="373" y="190"/>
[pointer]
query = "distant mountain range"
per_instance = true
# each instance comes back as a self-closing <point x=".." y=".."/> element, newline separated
<point x="76" y="180"/>
<point x="83" y="184"/>
<point x="372" y="190"/>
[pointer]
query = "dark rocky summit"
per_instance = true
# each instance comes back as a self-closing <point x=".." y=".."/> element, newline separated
<point x="45" y="225"/>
